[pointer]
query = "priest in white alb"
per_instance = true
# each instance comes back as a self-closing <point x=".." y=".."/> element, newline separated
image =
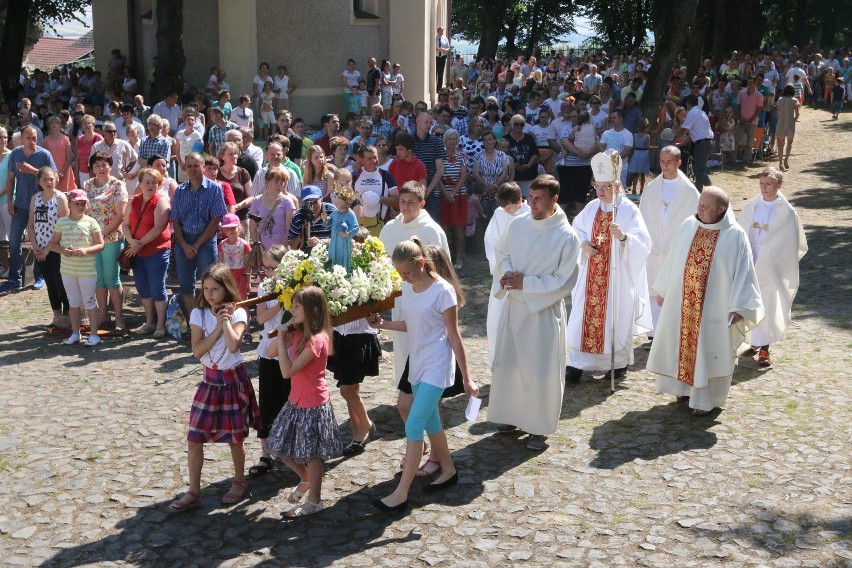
<point x="778" y="243"/>
<point x="710" y="299"/>
<point x="511" y="205"/>
<point x="666" y="203"/>
<point x="608" y="309"/>
<point x="536" y="268"/>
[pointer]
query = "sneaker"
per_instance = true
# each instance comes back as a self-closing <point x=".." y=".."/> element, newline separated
<point x="536" y="443"/>
<point x="10" y="286"/>
<point x="38" y="284"/>
<point x="763" y="359"/>
<point x="93" y="340"/>
<point x="74" y="339"/>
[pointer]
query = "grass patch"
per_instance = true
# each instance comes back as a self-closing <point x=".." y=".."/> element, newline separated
<point x="791" y="406"/>
<point x="6" y="463"/>
<point x="93" y="456"/>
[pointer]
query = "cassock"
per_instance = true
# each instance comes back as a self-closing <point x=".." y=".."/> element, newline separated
<point x="590" y="323"/>
<point x="708" y="274"/>
<point x="778" y="243"/>
<point x="665" y="204"/>
<point x="496" y="227"/>
<point x="430" y="233"/>
<point x="528" y="370"/>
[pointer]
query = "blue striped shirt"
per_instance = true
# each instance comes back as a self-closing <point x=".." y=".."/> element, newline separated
<point x="195" y="208"/>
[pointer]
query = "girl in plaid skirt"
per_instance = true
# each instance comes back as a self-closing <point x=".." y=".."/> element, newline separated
<point x="305" y="432"/>
<point x="224" y="406"/>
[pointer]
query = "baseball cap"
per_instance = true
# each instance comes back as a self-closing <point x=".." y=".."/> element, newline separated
<point x="77" y="195"/>
<point x="311" y="192"/>
<point x="371" y="204"/>
<point x="230" y="220"/>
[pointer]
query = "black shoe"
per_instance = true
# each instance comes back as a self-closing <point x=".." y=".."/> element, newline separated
<point x="619" y="373"/>
<point x="503" y="428"/>
<point x="378" y="504"/>
<point x="573" y="374"/>
<point x="433" y="487"/>
<point x="356" y="447"/>
<point x="536" y="443"/>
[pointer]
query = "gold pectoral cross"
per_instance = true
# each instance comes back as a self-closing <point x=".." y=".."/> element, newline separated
<point x="600" y="238"/>
<point x="764" y="227"/>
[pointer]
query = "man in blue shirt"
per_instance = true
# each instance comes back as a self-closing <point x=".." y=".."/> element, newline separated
<point x="197" y="210"/>
<point x="21" y="185"/>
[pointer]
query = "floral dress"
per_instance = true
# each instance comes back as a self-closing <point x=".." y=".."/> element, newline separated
<point x="102" y="202"/>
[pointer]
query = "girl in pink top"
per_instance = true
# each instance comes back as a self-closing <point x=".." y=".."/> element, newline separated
<point x="305" y="432"/>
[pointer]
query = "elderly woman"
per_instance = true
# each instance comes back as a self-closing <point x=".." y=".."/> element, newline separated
<point x="271" y="212"/>
<point x="454" y="194"/>
<point x="490" y="169"/>
<point x="145" y="226"/>
<point x="107" y="203"/>
<point x="471" y="142"/>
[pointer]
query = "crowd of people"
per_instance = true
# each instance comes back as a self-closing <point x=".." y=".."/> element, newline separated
<point x="505" y="158"/>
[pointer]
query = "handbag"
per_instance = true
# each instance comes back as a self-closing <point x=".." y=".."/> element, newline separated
<point x="125" y="259"/>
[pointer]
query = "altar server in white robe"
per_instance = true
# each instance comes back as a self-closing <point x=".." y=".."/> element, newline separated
<point x="536" y="268"/>
<point x="512" y="205"/>
<point x="778" y="243"/>
<point x="710" y="300"/>
<point x="666" y="203"/>
<point x="621" y="244"/>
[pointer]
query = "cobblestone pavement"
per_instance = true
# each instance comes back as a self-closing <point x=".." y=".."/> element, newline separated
<point x="92" y="449"/>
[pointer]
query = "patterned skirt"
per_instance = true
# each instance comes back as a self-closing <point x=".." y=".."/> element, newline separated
<point x="302" y="434"/>
<point x="224" y="407"/>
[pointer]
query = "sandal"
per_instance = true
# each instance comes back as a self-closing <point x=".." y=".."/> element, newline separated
<point x="230" y="497"/>
<point x="425" y="471"/>
<point x="263" y="467"/>
<point x="306" y="508"/>
<point x="699" y="412"/>
<point x="296" y="495"/>
<point x="159" y="333"/>
<point x="181" y="504"/>
<point x="144" y="329"/>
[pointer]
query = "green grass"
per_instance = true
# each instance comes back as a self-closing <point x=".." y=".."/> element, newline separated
<point x="93" y="456"/>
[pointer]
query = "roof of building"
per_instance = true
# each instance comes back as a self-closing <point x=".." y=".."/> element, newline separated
<point x="50" y="52"/>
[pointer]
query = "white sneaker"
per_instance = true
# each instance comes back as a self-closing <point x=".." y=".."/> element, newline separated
<point x="93" y="340"/>
<point x="73" y="340"/>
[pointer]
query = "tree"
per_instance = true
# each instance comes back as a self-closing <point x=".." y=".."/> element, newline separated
<point x="621" y="26"/>
<point x="170" y="57"/>
<point x="20" y="14"/>
<point x="524" y="24"/>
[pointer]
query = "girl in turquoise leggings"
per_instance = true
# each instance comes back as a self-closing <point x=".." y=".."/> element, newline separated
<point x="429" y="314"/>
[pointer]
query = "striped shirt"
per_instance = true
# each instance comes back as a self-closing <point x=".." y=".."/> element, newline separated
<point x="76" y="235"/>
<point x="194" y="208"/>
<point x="429" y="149"/>
<point x="452" y="172"/>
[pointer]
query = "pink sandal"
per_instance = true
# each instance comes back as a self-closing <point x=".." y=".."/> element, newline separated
<point x="424" y="471"/>
<point x="180" y="504"/>
<point x="230" y="497"/>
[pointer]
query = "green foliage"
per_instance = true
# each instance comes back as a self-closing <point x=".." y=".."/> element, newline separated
<point x="47" y="12"/>
<point x="619" y="25"/>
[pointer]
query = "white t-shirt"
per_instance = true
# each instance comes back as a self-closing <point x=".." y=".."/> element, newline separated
<point x="541" y="134"/>
<point x="352" y="77"/>
<point x="268" y="327"/>
<point x="187" y="142"/>
<point x="431" y="361"/>
<point x="618" y="140"/>
<point x="281" y="84"/>
<point x="218" y="354"/>
<point x="242" y="117"/>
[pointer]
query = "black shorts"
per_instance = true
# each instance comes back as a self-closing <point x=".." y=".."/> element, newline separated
<point x="272" y="394"/>
<point x="456" y="388"/>
<point x="355" y="356"/>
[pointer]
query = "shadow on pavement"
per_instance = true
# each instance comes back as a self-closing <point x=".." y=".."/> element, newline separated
<point x="648" y="434"/>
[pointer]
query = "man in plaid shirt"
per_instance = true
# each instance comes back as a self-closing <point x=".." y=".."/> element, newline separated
<point x="216" y="132"/>
<point x="154" y="144"/>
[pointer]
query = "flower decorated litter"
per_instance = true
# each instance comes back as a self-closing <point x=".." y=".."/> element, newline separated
<point x="372" y="281"/>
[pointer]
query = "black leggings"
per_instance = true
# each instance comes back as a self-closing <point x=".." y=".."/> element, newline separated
<point x="53" y="280"/>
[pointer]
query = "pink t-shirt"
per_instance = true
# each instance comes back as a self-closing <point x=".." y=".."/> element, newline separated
<point x="84" y="150"/>
<point x="307" y="387"/>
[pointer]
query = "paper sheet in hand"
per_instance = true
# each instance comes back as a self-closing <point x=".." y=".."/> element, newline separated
<point x="472" y="409"/>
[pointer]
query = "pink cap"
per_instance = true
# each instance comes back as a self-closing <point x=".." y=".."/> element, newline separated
<point x="230" y="220"/>
<point x="77" y="195"/>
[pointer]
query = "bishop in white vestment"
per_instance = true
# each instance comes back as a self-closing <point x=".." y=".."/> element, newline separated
<point x="710" y="299"/>
<point x="621" y="245"/>
<point x="778" y="243"/>
<point x="536" y="268"/>
<point x="667" y="202"/>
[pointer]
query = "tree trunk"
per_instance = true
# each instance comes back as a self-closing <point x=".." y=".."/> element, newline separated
<point x="532" y="39"/>
<point x="170" y="57"/>
<point x="697" y="32"/>
<point x="14" y="39"/>
<point x="671" y="31"/>
<point x="492" y="23"/>
<point x="511" y="36"/>
<point x="800" y="30"/>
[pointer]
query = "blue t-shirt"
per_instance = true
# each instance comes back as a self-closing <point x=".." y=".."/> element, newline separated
<point x="26" y="185"/>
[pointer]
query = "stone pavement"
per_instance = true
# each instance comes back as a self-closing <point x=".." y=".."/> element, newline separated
<point x="92" y="450"/>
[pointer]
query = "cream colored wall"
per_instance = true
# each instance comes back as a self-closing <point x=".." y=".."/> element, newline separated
<point x="238" y="44"/>
<point x="315" y="49"/>
<point x="109" y="25"/>
<point x="412" y="45"/>
<point x="200" y="40"/>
